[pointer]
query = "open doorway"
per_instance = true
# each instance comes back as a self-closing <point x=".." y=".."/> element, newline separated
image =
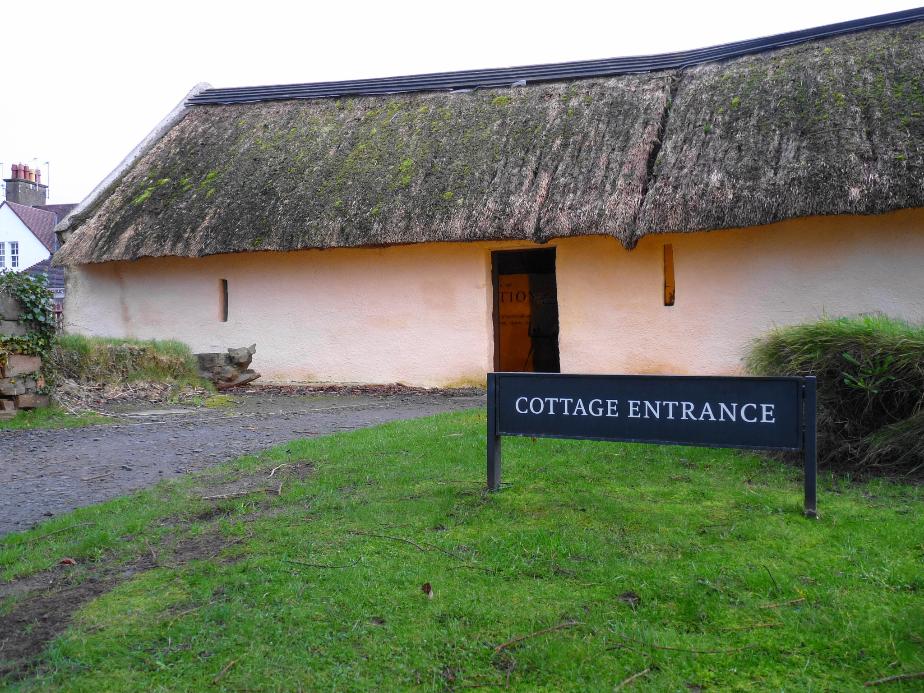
<point x="525" y="311"/>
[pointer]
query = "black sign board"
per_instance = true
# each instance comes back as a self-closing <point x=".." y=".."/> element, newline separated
<point x="708" y="411"/>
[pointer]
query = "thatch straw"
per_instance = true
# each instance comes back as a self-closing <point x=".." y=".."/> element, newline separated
<point x="829" y="127"/>
<point x="833" y="127"/>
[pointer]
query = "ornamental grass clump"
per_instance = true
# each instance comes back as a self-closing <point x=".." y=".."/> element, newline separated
<point x="870" y="372"/>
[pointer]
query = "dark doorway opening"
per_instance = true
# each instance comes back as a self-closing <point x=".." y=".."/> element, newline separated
<point x="525" y="311"/>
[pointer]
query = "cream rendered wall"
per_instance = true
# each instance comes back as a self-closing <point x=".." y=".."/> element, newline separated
<point x="31" y="249"/>
<point x="422" y="314"/>
<point x="732" y="286"/>
<point x="414" y="314"/>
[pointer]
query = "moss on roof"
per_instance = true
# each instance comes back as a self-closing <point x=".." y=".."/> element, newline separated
<point x="828" y="127"/>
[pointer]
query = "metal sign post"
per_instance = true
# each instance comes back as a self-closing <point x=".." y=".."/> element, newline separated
<point x="707" y="411"/>
<point x="809" y="445"/>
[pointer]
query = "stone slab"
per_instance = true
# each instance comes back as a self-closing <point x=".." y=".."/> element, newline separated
<point x="9" y="307"/>
<point x="32" y="401"/>
<point x="12" y="328"/>
<point x="10" y="387"/>
<point x="20" y="364"/>
<point x="242" y="379"/>
<point x="159" y="412"/>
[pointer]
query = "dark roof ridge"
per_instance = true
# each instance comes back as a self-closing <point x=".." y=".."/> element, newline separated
<point x="511" y="76"/>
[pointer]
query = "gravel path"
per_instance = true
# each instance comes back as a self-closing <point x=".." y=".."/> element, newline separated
<point x="48" y="472"/>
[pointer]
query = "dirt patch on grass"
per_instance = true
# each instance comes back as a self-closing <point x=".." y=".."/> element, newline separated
<point x="43" y="604"/>
<point x="39" y="617"/>
<point x="237" y="485"/>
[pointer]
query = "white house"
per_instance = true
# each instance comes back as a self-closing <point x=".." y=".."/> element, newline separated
<point x="26" y="236"/>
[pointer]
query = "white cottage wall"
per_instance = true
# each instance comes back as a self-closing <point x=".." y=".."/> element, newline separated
<point x="414" y="314"/>
<point x="422" y="314"/>
<point x="13" y="230"/>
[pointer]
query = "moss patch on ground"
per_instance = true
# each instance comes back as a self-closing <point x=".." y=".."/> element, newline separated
<point x="51" y="417"/>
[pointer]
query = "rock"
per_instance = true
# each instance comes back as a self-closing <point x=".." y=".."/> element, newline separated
<point x="242" y="379"/>
<point x="31" y="401"/>
<point x="243" y="356"/>
<point x="10" y="387"/>
<point x="7" y="405"/>
<point x="208" y="361"/>
<point x="227" y="373"/>
<point x="20" y="364"/>
<point x="9" y="307"/>
<point x="229" y="369"/>
<point x="12" y="328"/>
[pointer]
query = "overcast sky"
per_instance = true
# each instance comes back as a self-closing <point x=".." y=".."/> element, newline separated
<point x="84" y="81"/>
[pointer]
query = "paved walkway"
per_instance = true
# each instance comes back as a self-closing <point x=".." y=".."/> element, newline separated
<point x="48" y="472"/>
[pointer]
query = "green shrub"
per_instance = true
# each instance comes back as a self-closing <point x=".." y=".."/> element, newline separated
<point x="104" y="360"/>
<point x="870" y="372"/>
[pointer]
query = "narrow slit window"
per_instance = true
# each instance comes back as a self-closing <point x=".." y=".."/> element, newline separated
<point x="223" y="300"/>
<point x="14" y="254"/>
<point x="670" y="288"/>
<point x="2" y="256"/>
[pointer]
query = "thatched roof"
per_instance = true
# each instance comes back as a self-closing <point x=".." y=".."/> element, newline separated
<point x="834" y="126"/>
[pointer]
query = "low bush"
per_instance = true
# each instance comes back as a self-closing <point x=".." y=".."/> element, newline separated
<point x="104" y="360"/>
<point x="870" y="372"/>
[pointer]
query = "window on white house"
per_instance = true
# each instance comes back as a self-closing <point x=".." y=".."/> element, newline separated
<point x="14" y="254"/>
<point x="2" y="255"/>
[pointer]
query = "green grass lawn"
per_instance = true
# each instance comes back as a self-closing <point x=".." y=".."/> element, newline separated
<point x="690" y="568"/>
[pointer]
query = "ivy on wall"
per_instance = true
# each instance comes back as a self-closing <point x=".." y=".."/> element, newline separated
<point x="37" y="314"/>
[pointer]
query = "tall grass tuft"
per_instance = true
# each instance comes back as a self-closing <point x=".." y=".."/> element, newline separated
<point x="870" y="372"/>
<point x="105" y="360"/>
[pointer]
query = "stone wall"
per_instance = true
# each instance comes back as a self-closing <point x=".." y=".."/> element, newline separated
<point x="20" y="375"/>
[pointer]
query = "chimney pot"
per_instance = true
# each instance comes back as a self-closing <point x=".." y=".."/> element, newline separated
<point x="25" y="187"/>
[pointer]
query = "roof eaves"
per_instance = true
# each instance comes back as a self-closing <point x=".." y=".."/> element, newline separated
<point x="159" y="130"/>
